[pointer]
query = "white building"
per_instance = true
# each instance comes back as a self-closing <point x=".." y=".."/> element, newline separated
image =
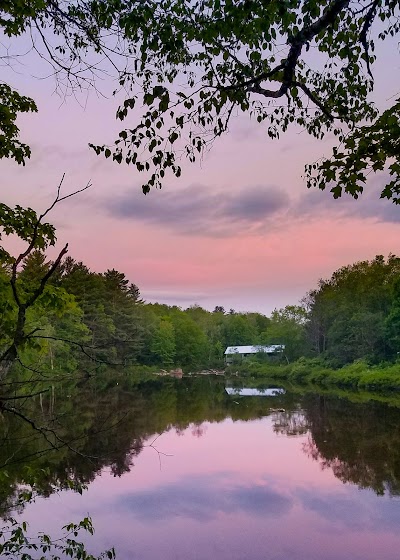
<point x="245" y="351"/>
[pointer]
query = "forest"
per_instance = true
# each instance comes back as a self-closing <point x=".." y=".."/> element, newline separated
<point x="85" y="320"/>
<point x="78" y="347"/>
<point x="62" y="317"/>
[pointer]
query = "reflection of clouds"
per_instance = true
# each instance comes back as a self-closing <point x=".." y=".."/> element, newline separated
<point x="387" y="514"/>
<point x="334" y="507"/>
<point x="261" y="501"/>
<point x="354" y="509"/>
<point x="202" y="498"/>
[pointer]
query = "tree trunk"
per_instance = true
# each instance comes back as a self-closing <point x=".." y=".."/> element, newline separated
<point x="7" y="360"/>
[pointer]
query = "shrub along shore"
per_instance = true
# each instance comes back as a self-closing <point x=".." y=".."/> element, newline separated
<point x="358" y="375"/>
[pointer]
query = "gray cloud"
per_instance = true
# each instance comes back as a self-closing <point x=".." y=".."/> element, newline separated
<point x="200" y="210"/>
<point x="201" y="498"/>
<point x="315" y="203"/>
<point x="204" y="211"/>
<point x="255" y="204"/>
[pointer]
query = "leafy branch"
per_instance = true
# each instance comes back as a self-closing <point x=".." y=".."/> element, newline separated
<point x="15" y="542"/>
<point x="38" y="234"/>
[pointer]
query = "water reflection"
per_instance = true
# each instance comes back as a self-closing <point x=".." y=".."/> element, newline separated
<point x="353" y="510"/>
<point x="291" y="423"/>
<point x="251" y="392"/>
<point x="242" y="491"/>
<point x="359" y="443"/>
<point x="203" y="498"/>
<point x="232" y="484"/>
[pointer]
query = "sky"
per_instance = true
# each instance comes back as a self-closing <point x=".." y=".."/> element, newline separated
<point x="239" y="229"/>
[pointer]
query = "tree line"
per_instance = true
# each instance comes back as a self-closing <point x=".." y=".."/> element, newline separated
<point x="355" y="314"/>
<point x="88" y="320"/>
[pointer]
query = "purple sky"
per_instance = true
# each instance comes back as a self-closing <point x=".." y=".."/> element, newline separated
<point x="239" y="230"/>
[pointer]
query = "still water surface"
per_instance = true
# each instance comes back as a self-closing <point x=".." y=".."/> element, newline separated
<point x="279" y="477"/>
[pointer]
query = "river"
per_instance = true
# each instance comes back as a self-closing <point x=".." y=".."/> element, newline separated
<point x="188" y="470"/>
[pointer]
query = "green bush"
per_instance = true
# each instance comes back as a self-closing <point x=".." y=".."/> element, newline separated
<point x="315" y="371"/>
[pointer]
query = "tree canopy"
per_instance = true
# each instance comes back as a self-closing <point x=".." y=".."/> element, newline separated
<point x="193" y="66"/>
<point x="354" y="314"/>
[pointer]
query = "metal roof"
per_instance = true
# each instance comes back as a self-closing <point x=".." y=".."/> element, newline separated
<point x="255" y="349"/>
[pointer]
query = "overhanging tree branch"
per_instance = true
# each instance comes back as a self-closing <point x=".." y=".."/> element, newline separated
<point x="369" y="18"/>
<point x="288" y="66"/>
<point x="42" y="234"/>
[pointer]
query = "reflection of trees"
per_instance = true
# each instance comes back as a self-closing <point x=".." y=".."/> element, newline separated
<point x="360" y="443"/>
<point x="97" y="433"/>
<point x="290" y="423"/>
<point x="360" y="473"/>
<point x="198" y="430"/>
<point x="109" y="427"/>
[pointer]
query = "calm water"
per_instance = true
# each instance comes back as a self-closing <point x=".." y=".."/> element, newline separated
<point x="232" y="477"/>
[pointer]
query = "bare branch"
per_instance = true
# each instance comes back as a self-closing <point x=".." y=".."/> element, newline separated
<point x="83" y="348"/>
<point x="364" y="31"/>
<point x="32" y="243"/>
<point x="37" y="293"/>
<point x="61" y="198"/>
<point x="62" y="443"/>
<point x="315" y="100"/>
<point x="260" y="78"/>
<point x="17" y="397"/>
<point x="45" y="432"/>
<point x="159" y="453"/>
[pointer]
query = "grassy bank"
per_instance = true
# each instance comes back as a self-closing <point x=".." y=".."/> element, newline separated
<point x="358" y="375"/>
